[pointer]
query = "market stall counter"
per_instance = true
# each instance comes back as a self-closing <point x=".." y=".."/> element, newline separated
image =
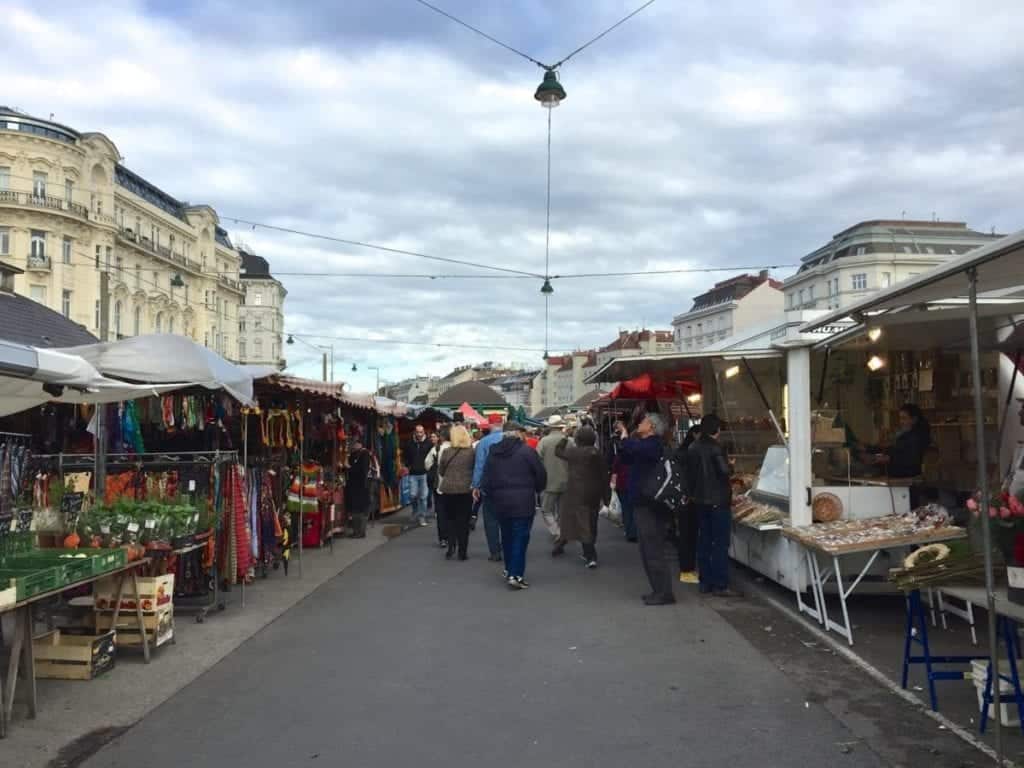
<point x="22" y="658"/>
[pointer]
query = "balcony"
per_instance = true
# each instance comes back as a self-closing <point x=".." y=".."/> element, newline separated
<point x="31" y="200"/>
<point x="227" y="282"/>
<point x="162" y="251"/>
<point x="37" y="263"/>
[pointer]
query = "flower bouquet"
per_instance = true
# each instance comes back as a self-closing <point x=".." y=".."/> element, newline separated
<point x="1006" y="512"/>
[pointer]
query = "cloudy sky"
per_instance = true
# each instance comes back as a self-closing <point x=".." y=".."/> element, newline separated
<point x="717" y="133"/>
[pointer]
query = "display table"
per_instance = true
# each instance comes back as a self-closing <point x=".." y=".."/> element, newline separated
<point x="833" y="541"/>
<point x="22" y="653"/>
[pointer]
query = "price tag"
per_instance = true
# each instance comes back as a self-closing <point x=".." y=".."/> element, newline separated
<point x="104" y="528"/>
<point x="150" y="524"/>
<point x="1015" y="577"/>
<point x="133" y="527"/>
<point x="191" y="486"/>
<point x="14" y="525"/>
<point x="121" y="519"/>
<point x="195" y="518"/>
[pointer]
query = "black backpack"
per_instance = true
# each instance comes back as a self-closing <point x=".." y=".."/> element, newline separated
<point x="666" y="484"/>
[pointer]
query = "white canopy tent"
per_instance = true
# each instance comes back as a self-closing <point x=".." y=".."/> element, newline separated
<point x="989" y="283"/>
<point x="30" y="377"/>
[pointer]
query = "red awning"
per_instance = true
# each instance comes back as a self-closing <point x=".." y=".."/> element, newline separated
<point x="472" y="414"/>
<point x="668" y="387"/>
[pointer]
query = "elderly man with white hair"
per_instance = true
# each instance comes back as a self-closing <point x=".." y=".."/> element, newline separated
<point x="558" y="473"/>
<point x="643" y="452"/>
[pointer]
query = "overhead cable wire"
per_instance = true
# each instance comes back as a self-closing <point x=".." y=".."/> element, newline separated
<point x="480" y="32"/>
<point x="414" y="343"/>
<point x="567" y="276"/>
<point x="384" y="248"/>
<point x="614" y="26"/>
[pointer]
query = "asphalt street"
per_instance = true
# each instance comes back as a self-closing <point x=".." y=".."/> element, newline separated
<point x="406" y="659"/>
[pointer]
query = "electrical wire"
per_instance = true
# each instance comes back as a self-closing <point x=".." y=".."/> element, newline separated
<point x="567" y="276"/>
<point x="470" y="27"/>
<point x="589" y="43"/>
<point x="358" y="339"/>
<point x="386" y="249"/>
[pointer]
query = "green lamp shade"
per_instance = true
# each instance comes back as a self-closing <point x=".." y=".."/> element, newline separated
<point x="550" y="92"/>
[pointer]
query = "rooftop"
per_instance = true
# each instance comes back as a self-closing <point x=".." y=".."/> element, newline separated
<point x="472" y="392"/>
<point x="25" y="321"/>
<point x="632" y="339"/>
<point x="733" y="289"/>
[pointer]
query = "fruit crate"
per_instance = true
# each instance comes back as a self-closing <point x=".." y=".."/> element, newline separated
<point x="69" y="570"/>
<point x="155" y="593"/>
<point x="66" y="655"/>
<point x="102" y="560"/>
<point x="32" y="582"/>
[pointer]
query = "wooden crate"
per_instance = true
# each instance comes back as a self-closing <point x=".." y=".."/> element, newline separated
<point x="61" y="656"/>
<point x="155" y="592"/>
<point x="159" y="626"/>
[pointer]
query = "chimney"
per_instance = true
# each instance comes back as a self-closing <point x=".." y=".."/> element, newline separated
<point x="762" y="275"/>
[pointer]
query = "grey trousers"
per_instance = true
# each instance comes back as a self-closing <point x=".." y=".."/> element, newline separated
<point x="551" y="505"/>
<point x="651" y="525"/>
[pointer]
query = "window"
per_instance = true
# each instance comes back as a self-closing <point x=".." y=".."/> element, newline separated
<point x="828" y="285"/>
<point x="907" y="249"/>
<point x="5" y="241"/>
<point x="206" y="339"/>
<point x="241" y="325"/>
<point x="170" y="241"/>
<point x="138" y="226"/>
<point x="120" y="267"/>
<point x="789" y="300"/>
<point x="38" y="252"/>
<point x="96" y="316"/>
<point x="37" y="293"/>
<point x="886" y="279"/>
<point x="170" y="324"/>
<point x="38" y="184"/>
<point x="217" y="304"/>
<point x="689" y="331"/>
<point x="137" y="321"/>
<point x="159" y="324"/>
<point x="138" y="278"/>
<point x="241" y="348"/>
<point x="69" y="191"/>
<point x="65" y="303"/>
<point x="801" y="301"/>
<point x="859" y="281"/>
<point x="156" y="280"/>
<point x="835" y="283"/>
<point x="186" y="294"/>
<point x="257" y="298"/>
<point x="257" y="323"/>
<point x="5" y="177"/>
<point x="810" y="294"/>
<point x="110" y="252"/>
<point x="117" y="319"/>
<point x="258" y="348"/>
<point x="65" y="250"/>
<point x="861" y="250"/>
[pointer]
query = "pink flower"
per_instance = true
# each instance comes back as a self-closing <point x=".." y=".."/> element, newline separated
<point x="1015" y="506"/>
<point x="972" y="504"/>
<point x="993" y="512"/>
<point x="1005" y="513"/>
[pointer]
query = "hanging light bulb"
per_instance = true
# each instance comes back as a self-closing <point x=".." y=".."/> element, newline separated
<point x="355" y="368"/>
<point x="875" y="334"/>
<point x="876" y="363"/>
<point x="291" y="339"/>
<point x="177" y="282"/>
<point x="732" y="371"/>
<point x="547" y="289"/>
<point x="694" y="398"/>
<point x="550" y="92"/>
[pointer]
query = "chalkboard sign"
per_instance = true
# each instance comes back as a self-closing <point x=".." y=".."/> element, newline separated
<point x="71" y="508"/>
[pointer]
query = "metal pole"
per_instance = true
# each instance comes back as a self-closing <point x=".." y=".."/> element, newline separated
<point x="302" y="487"/>
<point x="986" y="521"/>
<point x="245" y="477"/>
<point x="100" y="480"/>
<point x="325" y="367"/>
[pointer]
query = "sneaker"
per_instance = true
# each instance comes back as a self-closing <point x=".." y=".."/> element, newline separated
<point x="518" y="582"/>
<point x="513" y="582"/>
<point x="591" y="563"/>
<point x="423" y="523"/>
<point x="689" y="577"/>
<point x="442" y="544"/>
<point x="504" y="574"/>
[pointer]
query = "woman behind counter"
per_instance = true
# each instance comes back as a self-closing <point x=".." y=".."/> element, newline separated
<point x="904" y="458"/>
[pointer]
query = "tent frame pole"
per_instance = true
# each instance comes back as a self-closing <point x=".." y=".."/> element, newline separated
<point x="986" y="521"/>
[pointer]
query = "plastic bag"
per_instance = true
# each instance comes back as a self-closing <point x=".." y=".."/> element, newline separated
<point x="613" y="511"/>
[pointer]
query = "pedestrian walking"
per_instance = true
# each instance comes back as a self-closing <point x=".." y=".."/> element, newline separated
<point x="512" y="477"/>
<point x="686" y="519"/>
<point x="557" y="472"/>
<point x="414" y="457"/>
<point x="455" y="470"/>
<point x="586" y="490"/>
<point x="643" y="452"/>
<point x="441" y="442"/>
<point x="711" y="492"/>
<point x="483" y="448"/>
<point x="357" y="489"/>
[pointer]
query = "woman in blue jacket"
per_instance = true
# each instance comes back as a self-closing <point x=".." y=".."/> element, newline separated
<point x="512" y="478"/>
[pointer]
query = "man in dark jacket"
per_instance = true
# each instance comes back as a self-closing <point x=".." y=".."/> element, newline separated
<point x="357" y="489"/>
<point x="643" y="453"/>
<point x="512" y="477"/>
<point x="711" y="493"/>
<point x="414" y="457"/>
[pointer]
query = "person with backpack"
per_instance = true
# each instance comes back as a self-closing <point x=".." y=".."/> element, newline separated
<point x="644" y="453"/>
<point x="708" y="473"/>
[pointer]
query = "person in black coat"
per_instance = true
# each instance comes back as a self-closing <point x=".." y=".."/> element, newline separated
<point x="512" y="477"/>
<point x="708" y="473"/>
<point x="357" y="489"/>
<point x="686" y="518"/>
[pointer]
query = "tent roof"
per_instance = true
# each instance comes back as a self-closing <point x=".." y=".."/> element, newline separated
<point x="999" y="265"/>
<point x="472" y="414"/>
<point x="167" y="359"/>
<point x="646" y="387"/>
<point x="475" y="392"/>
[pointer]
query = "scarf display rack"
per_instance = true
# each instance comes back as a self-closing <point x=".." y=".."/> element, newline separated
<point x="15" y="453"/>
<point x="226" y="496"/>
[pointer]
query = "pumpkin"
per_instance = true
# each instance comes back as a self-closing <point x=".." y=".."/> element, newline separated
<point x="72" y="540"/>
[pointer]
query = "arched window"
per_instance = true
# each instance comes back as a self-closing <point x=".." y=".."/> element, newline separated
<point x="170" y="324"/>
<point x="117" y="319"/>
<point x="137" y="323"/>
<point x="159" y="325"/>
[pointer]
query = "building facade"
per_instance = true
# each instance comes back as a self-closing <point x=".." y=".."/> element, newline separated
<point x="874" y="255"/>
<point x="516" y="389"/>
<point x="730" y="306"/>
<point x="633" y="343"/>
<point x="261" y="316"/>
<point x="73" y="217"/>
<point x="418" y="390"/>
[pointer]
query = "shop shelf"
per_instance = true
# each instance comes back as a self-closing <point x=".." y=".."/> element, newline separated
<point x="28" y="583"/>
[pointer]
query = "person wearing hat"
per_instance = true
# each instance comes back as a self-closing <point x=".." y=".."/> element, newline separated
<point x="483" y="448"/>
<point x="557" y="470"/>
<point x="513" y="476"/>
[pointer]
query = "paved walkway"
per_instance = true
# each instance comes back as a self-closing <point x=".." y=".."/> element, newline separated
<point x="406" y="659"/>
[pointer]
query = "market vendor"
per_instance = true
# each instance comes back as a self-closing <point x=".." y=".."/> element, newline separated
<point x="905" y="457"/>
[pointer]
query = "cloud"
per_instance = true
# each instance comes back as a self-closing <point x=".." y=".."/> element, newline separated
<point x="704" y="134"/>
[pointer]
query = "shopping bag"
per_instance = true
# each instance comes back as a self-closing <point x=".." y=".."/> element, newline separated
<point x="613" y="511"/>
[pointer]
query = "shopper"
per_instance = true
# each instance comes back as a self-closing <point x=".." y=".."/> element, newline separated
<point x="512" y="478"/>
<point x="441" y="442"/>
<point x="686" y="519"/>
<point x="483" y="449"/>
<point x="587" y="488"/>
<point x="557" y="472"/>
<point x="455" y="470"/>
<point x="643" y="452"/>
<point x="414" y="457"/>
<point x="620" y="473"/>
<point x="357" y="489"/>
<point x="708" y="475"/>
